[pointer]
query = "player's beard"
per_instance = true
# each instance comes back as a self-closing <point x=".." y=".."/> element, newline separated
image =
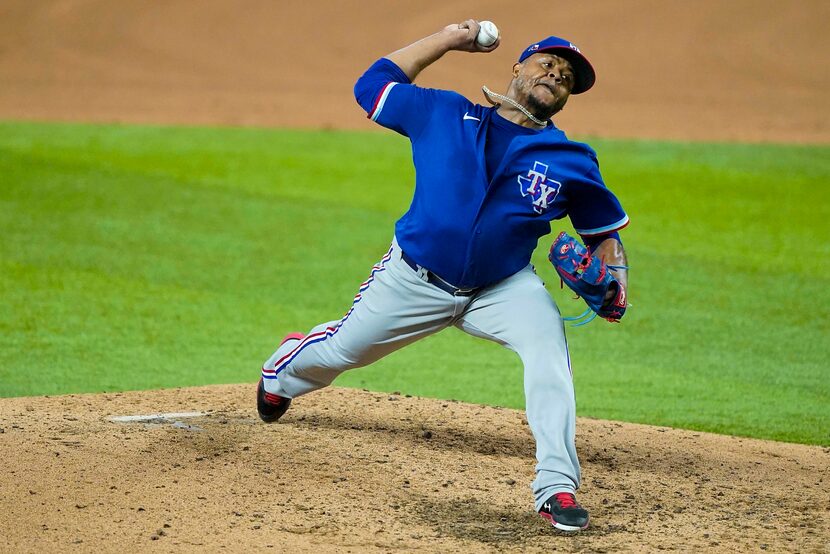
<point x="542" y="110"/>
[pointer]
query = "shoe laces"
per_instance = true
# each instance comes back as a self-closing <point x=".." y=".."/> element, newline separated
<point x="566" y="500"/>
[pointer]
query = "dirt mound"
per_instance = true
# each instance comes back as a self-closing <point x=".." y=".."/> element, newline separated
<point x="353" y="471"/>
<point x="739" y="70"/>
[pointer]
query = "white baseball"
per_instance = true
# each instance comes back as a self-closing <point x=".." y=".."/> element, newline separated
<point x="487" y="34"/>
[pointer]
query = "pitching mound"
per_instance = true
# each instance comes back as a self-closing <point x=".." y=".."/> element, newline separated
<point x="353" y="471"/>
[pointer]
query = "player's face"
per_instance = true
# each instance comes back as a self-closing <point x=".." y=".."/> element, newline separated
<point x="543" y="82"/>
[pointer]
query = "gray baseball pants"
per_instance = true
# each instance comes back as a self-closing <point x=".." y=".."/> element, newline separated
<point x="396" y="307"/>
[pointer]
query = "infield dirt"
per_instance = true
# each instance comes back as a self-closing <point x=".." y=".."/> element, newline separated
<point x="751" y="70"/>
<point x="353" y="471"/>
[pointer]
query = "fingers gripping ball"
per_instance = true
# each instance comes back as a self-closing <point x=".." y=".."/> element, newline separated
<point x="588" y="276"/>
<point x="488" y="34"/>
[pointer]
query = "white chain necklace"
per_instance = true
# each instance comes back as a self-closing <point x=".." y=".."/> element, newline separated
<point x="489" y="94"/>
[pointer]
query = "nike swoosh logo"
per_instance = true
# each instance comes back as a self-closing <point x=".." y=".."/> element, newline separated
<point x="467" y="116"/>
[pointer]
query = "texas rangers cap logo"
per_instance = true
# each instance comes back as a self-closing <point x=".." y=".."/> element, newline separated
<point x="536" y="184"/>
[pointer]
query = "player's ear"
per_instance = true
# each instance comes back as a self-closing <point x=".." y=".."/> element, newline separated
<point x="516" y="68"/>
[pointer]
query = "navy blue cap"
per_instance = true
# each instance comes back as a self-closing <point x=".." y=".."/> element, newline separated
<point x="584" y="75"/>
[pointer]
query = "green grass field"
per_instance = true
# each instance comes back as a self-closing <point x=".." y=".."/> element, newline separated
<point x="145" y="257"/>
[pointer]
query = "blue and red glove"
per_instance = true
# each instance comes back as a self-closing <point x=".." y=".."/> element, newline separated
<point x="588" y="276"/>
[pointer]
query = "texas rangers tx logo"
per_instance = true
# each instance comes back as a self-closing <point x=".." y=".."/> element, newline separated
<point x="541" y="189"/>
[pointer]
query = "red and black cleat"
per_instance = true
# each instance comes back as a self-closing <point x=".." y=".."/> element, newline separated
<point x="564" y="513"/>
<point x="270" y="406"/>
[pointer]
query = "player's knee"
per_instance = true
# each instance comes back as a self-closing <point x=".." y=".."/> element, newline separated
<point x="353" y="359"/>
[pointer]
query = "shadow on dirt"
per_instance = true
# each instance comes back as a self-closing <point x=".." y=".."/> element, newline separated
<point x="614" y="454"/>
<point x="423" y="432"/>
<point x="471" y="519"/>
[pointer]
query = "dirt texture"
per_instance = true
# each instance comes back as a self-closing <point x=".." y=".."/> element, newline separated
<point x="354" y="471"/>
<point x="749" y="70"/>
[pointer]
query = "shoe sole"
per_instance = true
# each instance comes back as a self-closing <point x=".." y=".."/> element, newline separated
<point x="561" y="526"/>
<point x="292" y="336"/>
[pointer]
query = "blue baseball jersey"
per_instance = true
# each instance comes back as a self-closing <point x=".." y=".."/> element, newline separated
<point x="471" y="226"/>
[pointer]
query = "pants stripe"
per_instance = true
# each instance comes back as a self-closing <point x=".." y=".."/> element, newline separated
<point x="282" y="363"/>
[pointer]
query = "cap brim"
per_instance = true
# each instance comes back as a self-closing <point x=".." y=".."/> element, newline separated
<point x="584" y="75"/>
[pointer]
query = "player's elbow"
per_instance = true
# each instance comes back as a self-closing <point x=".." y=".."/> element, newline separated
<point x="362" y="95"/>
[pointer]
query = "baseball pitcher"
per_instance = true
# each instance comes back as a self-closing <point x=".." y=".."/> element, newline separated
<point x="489" y="181"/>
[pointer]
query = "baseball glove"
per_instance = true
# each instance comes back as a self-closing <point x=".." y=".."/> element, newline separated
<point x="589" y="277"/>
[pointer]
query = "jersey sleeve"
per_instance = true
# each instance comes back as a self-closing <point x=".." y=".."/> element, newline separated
<point x="392" y="101"/>
<point x="593" y="209"/>
<point x="593" y="241"/>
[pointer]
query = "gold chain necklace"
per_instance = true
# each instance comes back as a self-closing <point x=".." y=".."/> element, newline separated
<point x="489" y="94"/>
